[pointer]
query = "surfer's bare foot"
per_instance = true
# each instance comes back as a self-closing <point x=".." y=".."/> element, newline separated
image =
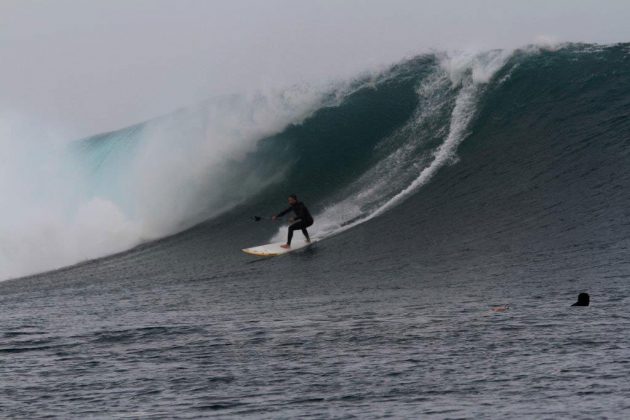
<point x="308" y="241"/>
<point x="285" y="246"/>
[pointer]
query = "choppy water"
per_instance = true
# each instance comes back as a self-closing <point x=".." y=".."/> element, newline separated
<point x="370" y="344"/>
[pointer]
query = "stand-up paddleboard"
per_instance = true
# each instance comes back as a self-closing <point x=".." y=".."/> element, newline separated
<point x="272" y="250"/>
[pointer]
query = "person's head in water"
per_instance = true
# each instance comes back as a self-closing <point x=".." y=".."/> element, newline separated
<point x="292" y="199"/>
<point x="583" y="300"/>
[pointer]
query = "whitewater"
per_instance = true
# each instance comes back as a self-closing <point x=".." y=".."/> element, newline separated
<point x="72" y="201"/>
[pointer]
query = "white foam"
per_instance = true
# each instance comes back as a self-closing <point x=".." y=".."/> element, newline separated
<point x="57" y="212"/>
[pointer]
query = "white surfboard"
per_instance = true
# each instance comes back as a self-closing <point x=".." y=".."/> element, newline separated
<point x="272" y="250"/>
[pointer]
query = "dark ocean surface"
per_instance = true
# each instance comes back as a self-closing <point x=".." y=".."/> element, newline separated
<point x="390" y="314"/>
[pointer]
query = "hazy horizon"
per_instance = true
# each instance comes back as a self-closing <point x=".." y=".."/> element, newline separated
<point x="81" y="68"/>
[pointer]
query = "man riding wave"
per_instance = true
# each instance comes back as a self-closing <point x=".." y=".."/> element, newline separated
<point x="302" y="219"/>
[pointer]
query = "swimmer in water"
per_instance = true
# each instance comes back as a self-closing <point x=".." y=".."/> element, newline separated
<point x="583" y="300"/>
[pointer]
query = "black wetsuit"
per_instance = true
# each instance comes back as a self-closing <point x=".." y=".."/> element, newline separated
<point x="303" y="220"/>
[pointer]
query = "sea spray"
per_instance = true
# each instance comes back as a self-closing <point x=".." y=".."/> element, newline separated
<point x="70" y="201"/>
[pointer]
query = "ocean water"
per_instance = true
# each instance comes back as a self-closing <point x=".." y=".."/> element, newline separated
<point x="442" y="188"/>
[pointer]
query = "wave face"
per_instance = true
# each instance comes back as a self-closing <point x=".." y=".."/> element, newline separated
<point x="489" y="148"/>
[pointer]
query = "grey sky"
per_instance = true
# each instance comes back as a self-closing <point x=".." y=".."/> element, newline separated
<point x="89" y="66"/>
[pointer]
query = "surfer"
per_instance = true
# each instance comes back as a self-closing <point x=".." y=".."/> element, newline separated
<point x="302" y="219"/>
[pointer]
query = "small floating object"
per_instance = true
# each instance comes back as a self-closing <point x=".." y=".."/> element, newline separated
<point x="501" y="308"/>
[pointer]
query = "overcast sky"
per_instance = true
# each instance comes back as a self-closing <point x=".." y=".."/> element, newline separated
<point x="89" y="66"/>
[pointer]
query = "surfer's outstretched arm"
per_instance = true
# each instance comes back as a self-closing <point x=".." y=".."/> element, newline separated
<point x="282" y="213"/>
